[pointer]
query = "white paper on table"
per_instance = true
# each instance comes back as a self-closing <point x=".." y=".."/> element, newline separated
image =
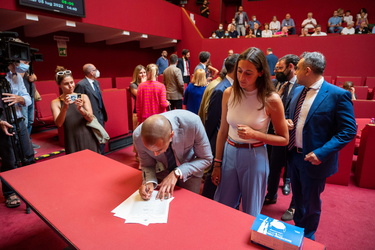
<point x="124" y="208"/>
<point x="136" y="210"/>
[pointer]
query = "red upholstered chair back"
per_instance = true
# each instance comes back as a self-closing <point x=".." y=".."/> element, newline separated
<point x="105" y="82"/>
<point x="161" y="78"/>
<point x="47" y="87"/>
<point x="123" y="82"/>
<point x="361" y="124"/>
<point x="117" y="110"/>
<point x="43" y="109"/>
<point x="370" y="82"/>
<point x="365" y="170"/>
<point x="357" y="80"/>
<point x="364" y="108"/>
<point x="329" y="79"/>
<point x="342" y="177"/>
<point x="131" y="104"/>
<point x="362" y="92"/>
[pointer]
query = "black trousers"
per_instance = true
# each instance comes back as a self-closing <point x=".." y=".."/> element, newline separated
<point x="8" y="154"/>
<point x="175" y="104"/>
<point x="186" y="79"/>
<point x="278" y="160"/>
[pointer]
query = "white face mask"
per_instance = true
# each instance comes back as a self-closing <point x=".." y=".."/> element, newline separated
<point x="220" y="27"/>
<point x="254" y="19"/>
<point x="97" y="73"/>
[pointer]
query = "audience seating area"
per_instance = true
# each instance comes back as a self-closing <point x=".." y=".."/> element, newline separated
<point x="120" y="105"/>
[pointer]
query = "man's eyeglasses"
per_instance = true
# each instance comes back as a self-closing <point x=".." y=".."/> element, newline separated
<point x="65" y="72"/>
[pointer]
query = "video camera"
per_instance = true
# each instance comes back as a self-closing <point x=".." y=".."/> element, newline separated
<point x="12" y="50"/>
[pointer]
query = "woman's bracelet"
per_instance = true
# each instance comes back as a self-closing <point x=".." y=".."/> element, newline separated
<point x="218" y="160"/>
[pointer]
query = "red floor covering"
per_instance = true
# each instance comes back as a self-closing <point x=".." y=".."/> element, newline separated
<point x="346" y="222"/>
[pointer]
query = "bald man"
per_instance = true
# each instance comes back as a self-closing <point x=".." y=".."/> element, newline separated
<point x="91" y="87"/>
<point x="173" y="148"/>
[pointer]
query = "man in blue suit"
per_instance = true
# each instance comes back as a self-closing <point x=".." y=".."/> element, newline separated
<point x="321" y="122"/>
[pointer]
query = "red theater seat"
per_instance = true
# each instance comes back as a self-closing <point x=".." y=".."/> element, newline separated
<point x="106" y="83"/>
<point x="365" y="168"/>
<point x="117" y="110"/>
<point x="370" y="82"/>
<point x="364" y="108"/>
<point x="342" y="177"/>
<point x="47" y="87"/>
<point x="357" y="80"/>
<point x="123" y="82"/>
<point x="43" y="109"/>
<point x="161" y="78"/>
<point x="329" y="79"/>
<point x="361" y="92"/>
<point x="361" y="124"/>
<point x="131" y="104"/>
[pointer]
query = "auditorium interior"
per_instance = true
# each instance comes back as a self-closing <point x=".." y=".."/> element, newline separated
<point x="118" y="35"/>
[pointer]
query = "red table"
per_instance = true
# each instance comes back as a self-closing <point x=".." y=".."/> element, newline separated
<point x="75" y="194"/>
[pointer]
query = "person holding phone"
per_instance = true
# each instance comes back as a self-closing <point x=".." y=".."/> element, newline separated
<point x="72" y="111"/>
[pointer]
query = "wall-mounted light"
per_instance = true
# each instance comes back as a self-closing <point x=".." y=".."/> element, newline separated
<point x="70" y="24"/>
<point x="32" y="17"/>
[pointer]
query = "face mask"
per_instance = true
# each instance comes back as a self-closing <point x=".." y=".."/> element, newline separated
<point x="254" y="19"/>
<point x="281" y="77"/>
<point x="97" y="74"/>
<point x="22" y="68"/>
<point x="220" y="27"/>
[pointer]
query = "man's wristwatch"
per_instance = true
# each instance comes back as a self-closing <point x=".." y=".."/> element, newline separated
<point x="177" y="172"/>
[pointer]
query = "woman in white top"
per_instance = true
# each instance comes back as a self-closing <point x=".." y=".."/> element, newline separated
<point x="241" y="162"/>
<point x="274" y="25"/>
<point x="266" y="32"/>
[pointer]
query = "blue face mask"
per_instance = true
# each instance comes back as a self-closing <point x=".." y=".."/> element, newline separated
<point x="22" y="68"/>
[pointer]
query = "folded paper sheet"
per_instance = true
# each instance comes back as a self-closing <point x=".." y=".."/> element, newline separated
<point x="136" y="210"/>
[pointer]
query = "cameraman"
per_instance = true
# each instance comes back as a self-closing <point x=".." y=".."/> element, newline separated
<point x="205" y="10"/>
<point x="8" y="152"/>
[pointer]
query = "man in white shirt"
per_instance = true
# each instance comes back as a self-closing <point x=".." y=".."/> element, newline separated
<point x="309" y="23"/>
<point x="349" y="30"/>
<point x="318" y="31"/>
<point x="274" y="25"/>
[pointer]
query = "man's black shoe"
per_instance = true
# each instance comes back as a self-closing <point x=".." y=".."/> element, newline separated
<point x="286" y="189"/>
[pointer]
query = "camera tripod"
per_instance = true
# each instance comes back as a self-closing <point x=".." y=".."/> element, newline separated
<point x="11" y="118"/>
